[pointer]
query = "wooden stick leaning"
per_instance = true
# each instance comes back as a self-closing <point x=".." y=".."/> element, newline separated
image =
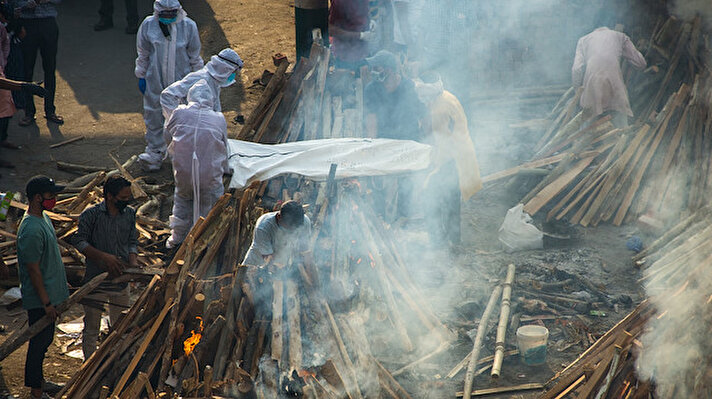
<point x="19" y="337"/>
<point x="144" y="345"/>
<point x="503" y="319"/>
<point x="481" y="328"/>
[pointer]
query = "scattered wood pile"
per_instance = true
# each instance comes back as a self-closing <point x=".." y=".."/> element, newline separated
<point x="315" y="329"/>
<point x="81" y="193"/>
<point x="607" y="368"/>
<point x="658" y="348"/>
<point x="659" y="166"/>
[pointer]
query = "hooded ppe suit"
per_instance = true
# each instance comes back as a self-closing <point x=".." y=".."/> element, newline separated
<point x="197" y="138"/>
<point x="216" y="73"/>
<point x="163" y="60"/>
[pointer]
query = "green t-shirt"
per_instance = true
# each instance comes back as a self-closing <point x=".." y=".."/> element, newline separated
<point x="37" y="243"/>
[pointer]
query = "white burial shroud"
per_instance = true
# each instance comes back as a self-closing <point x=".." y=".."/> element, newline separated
<point x="312" y="158"/>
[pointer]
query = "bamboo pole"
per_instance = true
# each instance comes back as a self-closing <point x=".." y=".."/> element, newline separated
<point x="470" y="375"/>
<point x="503" y="319"/>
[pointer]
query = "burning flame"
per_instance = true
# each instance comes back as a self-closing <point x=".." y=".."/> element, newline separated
<point x="190" y="342"/>
<point x="358" y="262"/>
<point x="306" y="373"/>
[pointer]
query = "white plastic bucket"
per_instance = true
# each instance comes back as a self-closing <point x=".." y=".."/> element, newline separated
<point x="531" y="341"/>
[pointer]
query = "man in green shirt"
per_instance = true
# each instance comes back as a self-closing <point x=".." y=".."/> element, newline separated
<point x="43" y="281"/>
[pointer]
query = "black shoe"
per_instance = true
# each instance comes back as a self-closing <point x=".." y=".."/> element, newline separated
<point x="52" y="388"/>
<point x="131" y="30"/>
<point x="103" y="25"/>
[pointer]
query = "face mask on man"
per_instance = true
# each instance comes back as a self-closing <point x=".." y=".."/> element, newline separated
<point x="48" y="204"/>
<point x="167" y="21"/>
<point x="121" y="204"/>
<point x="231" y="78"/>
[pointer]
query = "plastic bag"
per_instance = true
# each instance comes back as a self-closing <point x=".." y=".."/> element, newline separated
<point x="518" y="233"/>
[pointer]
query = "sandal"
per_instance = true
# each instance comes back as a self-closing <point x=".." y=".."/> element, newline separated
<point x="27" y="121"/>
<point x="55" y="118"/>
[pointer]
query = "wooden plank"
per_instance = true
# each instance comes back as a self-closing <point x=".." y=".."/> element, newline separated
<point x="641" y="169"/>
<point x="142" y="349"/>
<point x="273" y="87"/>
<point x="65" y="142"/>
<point x="614" y="175"/>
<point x="19" y="337"/>
<point x="553" y="189"/>
<point x="499" y="390"/>
<point x="295" y="329"/>
<point x="277" y="325"/>
<point x="279" y="120"/>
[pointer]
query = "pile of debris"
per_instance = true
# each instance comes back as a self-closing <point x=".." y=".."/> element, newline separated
<point x="659" y="167"/>
<point x="81" y="193"/>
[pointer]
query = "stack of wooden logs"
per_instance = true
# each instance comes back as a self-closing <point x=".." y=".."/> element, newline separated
<point x="81" y="193"/>
<point x="308" y="103"/>
<point x="317" y="328"/>
<point x="658" y="166"/>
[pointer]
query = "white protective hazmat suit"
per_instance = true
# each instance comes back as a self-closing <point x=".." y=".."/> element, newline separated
<point x="163" y="60"/>
<point x="597" y="68"/>
<point x="216" y="73"/>
<point x="197" y="137"/>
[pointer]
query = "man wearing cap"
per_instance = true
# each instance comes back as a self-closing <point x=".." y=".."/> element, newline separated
<point x="392" y="107"/>
<point x="43" y="281"/>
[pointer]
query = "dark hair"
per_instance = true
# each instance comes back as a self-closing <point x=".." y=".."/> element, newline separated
<point x="292" y="213"/>
<point x="114" y="184"/>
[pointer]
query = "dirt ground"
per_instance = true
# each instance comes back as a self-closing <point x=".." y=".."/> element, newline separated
<point x="97" y="95"/>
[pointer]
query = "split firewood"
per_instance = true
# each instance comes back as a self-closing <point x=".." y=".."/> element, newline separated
<point x="19" y="337"/>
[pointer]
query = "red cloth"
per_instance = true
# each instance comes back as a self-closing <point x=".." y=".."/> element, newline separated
<point x="350" y="15"/>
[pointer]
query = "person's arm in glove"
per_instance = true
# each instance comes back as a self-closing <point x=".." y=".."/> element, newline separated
<point x="28" y="87"/>
<point x="142" y="85"/>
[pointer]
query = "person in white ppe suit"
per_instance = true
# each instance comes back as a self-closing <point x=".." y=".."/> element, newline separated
<point x="220" y="71"/>
<point x="197" y="143"/>
<point x="168" y="46"/>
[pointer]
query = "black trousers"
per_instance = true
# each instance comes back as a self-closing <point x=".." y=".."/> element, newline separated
<point x="42" y="35"/>
<point x="4" y="125"/>
<point x="305" y="21"/>
<point x="36" y="350"/>
<point x="106" y="11"/>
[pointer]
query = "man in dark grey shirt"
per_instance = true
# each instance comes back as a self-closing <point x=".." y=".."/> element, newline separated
<point x="107" y="237"/>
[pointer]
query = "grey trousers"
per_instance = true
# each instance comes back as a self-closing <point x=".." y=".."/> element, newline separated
<point x="92" y="316"/>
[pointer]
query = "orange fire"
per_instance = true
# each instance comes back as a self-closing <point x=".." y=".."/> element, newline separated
<point x="306" y="373"/>
<point x="358" y="262"/>
<point x="190" y="342"/>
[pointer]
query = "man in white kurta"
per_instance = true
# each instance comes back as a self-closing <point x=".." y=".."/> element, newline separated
<point x="597" y="70"/>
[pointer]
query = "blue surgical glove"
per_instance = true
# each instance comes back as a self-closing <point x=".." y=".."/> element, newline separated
<point x="142" y="85"/>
